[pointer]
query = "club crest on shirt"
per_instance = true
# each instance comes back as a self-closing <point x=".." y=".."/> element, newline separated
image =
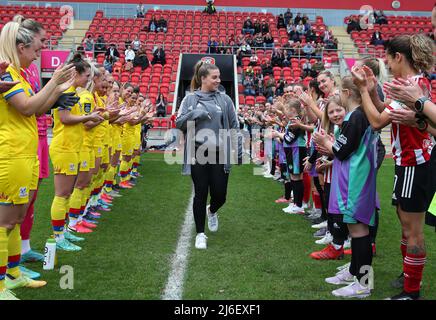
<point x="87" y="107"/>
<point x="23" y="192"/>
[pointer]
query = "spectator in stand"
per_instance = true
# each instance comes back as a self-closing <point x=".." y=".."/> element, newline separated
<point x="286" y="58"/>
<point x="280" y="88"/>
<point x="306" y="22"/>
<point x="248" y="27"/>
<point x="153" y="24"/>
<point x="297" y="19"/>
<point x="264" y="27"/>
<point x="129" y="54"/>
<point x="141" y="60"/>
<point x="377" y="38"/>
<point x="161" y="106"/>
<point x="317" y="68"/>
<point x="162" y="25"/>
<point x="311" y="36"/>
<point x="268" y="41"/>
<point x="248" y="84"/>
<point x="89" y="43"/>
<point x="281" y="22"/>
<point x="294" y="36"/>
<point x="210" y="8"/>
<point x="100" y="46"/>
<point x="319" y="50"/>
<point x="258" y="41"/>
<point x="353" y="25"/>
<point x="249" y="40"/>
<point x="108" y="63"/>
<point x="288" y="16"/>
<point x="301" y="30"/>
<point x="254" y="59"/>
<point x="266" y="68"/>
<point x="221" y="47"/>
<point x="270" y="89"/>
<point x="212" y="45"/>
<point x="276" y="58"/>
<point x="245" y="49"/>
<point x="327" y="37"/>
<point x="309" y="50"/>
<point x="140" y="11"/>
<point x="159" y="56"/>
<point x="136" y="44"/>
<point x="332" y="45"/>
<point x="113" y="52"/>
<point x="257" y="27"/>
<point x="307" y="69"/>
<point x="380" y="18"/>
<point x="298" y="49"/>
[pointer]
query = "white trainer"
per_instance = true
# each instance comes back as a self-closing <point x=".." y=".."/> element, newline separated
<point x="320" y="225"/>
<point x="289" y="207"/>
<point x="296" y="210"/>
<point x="347" y="244"/>
<point x="268" y="175"/>
<point x="345" y="266"/>
<point x="327" y="239"/>
<point x="212" y="220"/>
<point x="201" y="241"/>
<point x="342" y="277"/>
<point x="353" y="290"/>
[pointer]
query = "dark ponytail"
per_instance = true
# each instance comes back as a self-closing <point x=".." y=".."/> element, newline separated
<point x="79" y="64"/>
<point x="201" y="69"/>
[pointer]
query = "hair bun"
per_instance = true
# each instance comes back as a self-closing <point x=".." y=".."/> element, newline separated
<point x="19" y="18"/>
<point x="77" y="57"/>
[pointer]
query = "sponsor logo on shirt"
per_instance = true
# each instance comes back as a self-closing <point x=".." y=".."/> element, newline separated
<point x="72" y="167"/>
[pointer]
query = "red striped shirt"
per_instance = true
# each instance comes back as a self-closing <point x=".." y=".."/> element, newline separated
<point x="410" y="146"/>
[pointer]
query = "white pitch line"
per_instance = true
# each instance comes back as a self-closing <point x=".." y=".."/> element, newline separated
<point x="174" y="287"/>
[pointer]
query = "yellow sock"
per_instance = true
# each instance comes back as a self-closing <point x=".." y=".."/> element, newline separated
<point x="135" y="164"/>
<point x="109" y="179"/>
<point x="14" y="252"/>
<point x="74" y="205"/>
<point x="124" y="170"/>
<point x="59" y="207"/>
<point x="3" y="256"/>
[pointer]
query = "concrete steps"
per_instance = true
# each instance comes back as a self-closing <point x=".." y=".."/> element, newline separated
<point x="345" y="42"/>
<point x="73" y="37"/>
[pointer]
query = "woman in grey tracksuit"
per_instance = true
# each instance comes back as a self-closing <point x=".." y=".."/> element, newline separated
<point x="209" y="121"/>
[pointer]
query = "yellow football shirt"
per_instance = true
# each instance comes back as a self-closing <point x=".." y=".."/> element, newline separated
<point x="88" y="105"/>
<point x="18" y="133"/>
<point x="67" y="137"/>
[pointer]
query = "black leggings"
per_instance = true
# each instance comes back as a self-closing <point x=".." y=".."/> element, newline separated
<point x="321" y="197"/>
<point x="208" y="177"/>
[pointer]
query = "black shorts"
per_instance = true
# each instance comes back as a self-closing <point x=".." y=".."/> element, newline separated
<point x="295" y="159"/>
<point x="413" y="188"/>
<point x="430" y="219"/>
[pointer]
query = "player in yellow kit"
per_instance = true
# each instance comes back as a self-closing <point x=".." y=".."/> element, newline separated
<point x="127" y="138"/>
<point x="64" y="153"/>
<point x="87" y="155"/>
<point x="21" y="44"/>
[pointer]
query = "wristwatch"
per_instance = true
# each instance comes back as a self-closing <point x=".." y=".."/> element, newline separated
<point x="419" y="104"/>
